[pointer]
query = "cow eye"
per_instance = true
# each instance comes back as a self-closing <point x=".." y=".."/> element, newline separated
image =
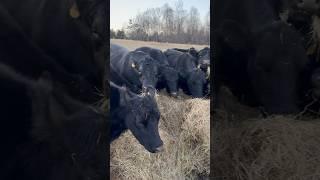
<point x="136" y="67"/>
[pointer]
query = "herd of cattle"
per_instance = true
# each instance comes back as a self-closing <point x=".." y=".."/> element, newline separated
<point x="52" y="56"/>
<point x="260" y="53"/>
<point x="136" y="75"/>
<point x="54" y="67"/>
<point x="54" y="71"/>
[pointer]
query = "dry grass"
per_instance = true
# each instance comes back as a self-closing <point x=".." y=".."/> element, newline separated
<point x="184" y="129"/>
<point x="132" y="44"/>
<point x="252" y="148"/>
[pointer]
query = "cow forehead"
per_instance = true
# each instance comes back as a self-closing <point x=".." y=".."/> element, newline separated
<point x="144" y="105"/>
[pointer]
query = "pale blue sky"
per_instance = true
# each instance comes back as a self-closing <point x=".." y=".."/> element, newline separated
<point x="122" y="10"/>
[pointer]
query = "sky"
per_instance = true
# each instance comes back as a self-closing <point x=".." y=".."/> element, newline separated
<point x="122" y="10"/>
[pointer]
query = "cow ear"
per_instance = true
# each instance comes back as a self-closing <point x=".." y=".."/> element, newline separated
<point x="74" y="10"/>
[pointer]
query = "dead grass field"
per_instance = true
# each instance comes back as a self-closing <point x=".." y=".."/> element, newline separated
<point x="184" y="128"/>
<point x="131" y="44"/>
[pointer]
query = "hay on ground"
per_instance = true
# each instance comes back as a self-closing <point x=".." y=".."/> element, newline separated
<point x="184" y="129"/>
<point x="278" y="147"/>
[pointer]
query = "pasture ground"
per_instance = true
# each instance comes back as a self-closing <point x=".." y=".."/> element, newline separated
<point x="131" y="44"/>
<point x="184" y="128"/>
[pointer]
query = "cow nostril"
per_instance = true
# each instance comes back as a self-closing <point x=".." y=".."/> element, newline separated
<point x="159" y="149"/>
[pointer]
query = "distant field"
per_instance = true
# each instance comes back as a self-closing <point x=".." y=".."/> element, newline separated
<point x="131" y="44"/>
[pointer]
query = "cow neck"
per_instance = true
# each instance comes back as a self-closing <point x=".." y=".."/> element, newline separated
<point x="135" y="81"/>
<point x="117" y="127"/>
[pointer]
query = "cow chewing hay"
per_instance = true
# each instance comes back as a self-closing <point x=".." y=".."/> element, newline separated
<point x="185" y="131"/>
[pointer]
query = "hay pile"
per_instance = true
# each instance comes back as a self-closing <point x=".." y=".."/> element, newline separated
<point x="278" y="147"/>
<point x="185" y="131"/>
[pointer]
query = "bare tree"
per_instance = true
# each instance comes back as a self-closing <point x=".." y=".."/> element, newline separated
<point x="193" y="23"/>
<point x="207" y="27"/>
<point x="170" y="25"/>
<point x="179" y="19"/>
<point x="167" y="18"/>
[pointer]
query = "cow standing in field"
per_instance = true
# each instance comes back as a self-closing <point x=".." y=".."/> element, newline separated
<point x="191" y="79"/>
<point x="168" y="76"/>
<point x="260" y="58"/>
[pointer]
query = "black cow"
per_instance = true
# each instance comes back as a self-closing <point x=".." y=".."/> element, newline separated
<point x="192" y="51"/>
<point x="204" y="60"/>
<point x="259" y="57"/>
<point x="204" y="65"/>
<point x="139" y="114"/>
<point x="46" y="134"/>
<point x="168" y="76"/>
<point x="191" y="79"/>
<point x="137" y="68"/>
<point x="70" y="33"/>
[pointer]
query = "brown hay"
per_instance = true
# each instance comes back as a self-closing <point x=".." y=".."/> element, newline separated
<point x="278" y="147"/>
<point x="184" y="129"/>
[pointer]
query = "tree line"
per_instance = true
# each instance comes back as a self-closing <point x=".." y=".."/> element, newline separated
<point x="167" y="24"/>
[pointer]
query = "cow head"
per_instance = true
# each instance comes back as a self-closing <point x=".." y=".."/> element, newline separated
<point x="204" y="61"/>
<point x="196" y="81"/>
<point x="171" y="77"/>
<point x="275" y="67"/>
<point x="193" y="52"/>
<point x="142" y="119"/>
<point x="146" y="69"/>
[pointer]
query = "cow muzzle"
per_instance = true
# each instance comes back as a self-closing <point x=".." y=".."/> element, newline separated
<point x="159" y="149"/>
